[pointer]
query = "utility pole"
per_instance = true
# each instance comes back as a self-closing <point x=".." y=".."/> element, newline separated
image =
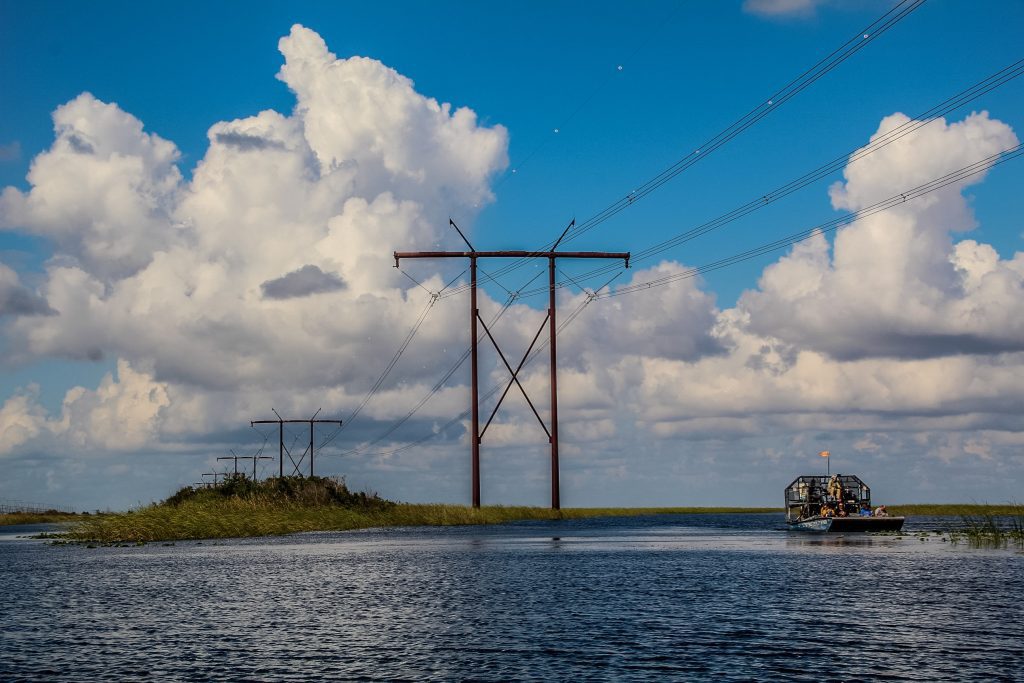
<point x="214" y="475"/>
<point x="280" y="422"/>
<point x="232" y="457"/>
<point x="235" y="457"/>
<point x="474" y="315"/>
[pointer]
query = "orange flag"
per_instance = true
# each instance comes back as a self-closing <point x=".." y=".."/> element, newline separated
<point x="824" y="454"/>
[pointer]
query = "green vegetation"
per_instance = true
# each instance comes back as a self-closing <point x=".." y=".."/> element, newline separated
<point x="48" y="517"/>
<point x="988" y="529"/>
<point x="951" y="510"/>
<point x="241" y="507"/>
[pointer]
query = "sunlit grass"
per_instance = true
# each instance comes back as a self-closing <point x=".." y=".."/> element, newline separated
<point x="243" y="508"/>
<point x="951" y="510"/>
<point x="989" y="529"/>
<point x="12" y="518"/>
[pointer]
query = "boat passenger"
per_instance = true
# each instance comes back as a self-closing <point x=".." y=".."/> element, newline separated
<point x="880" y="511"/>
<point x="865" y="511"/>
<point x="827" y="511"/>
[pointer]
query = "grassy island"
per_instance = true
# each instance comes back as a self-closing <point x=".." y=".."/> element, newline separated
<point x="241" y="507"/>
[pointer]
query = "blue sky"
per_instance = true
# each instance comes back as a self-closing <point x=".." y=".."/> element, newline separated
<point x="687" y="72"/>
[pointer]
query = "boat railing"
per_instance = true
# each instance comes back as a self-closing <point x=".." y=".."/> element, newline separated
<point x="807" y="495"/>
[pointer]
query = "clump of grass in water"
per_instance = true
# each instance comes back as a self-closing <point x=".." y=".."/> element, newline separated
<point x="988" y="530"/>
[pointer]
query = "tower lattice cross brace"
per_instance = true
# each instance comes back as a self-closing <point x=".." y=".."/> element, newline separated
<point x="550" y="320"/>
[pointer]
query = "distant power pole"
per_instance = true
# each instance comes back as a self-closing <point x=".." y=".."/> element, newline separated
<point x="232" y="457"/>
<point x="282" y="449"/>
<point x="214" y="475"/>
<point x="236" y="458"/>
<point x="474" y="314"/>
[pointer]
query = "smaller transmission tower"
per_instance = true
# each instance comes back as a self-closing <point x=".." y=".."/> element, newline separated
<point x="282" y="449"/>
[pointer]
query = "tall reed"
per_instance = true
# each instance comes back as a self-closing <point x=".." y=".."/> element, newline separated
<point x="987" y="529"/>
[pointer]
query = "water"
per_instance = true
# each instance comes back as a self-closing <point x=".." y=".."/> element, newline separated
<point x="722" y="597"/>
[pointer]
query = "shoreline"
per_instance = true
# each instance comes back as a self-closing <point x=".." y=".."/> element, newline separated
<point x="242" y="519"/>
<point x="233" y="518"/>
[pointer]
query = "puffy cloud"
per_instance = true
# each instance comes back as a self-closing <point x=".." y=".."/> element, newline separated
<point x="665" y="322"/>
<point x="207" y="283"/>
<point x="104" y="191"/>
<point x="21" y="419"/>
<point x="357" y="112"/>
<point x="121" y="414"/>
<point x="895" y="283"/>
<point x="893" y="342"/>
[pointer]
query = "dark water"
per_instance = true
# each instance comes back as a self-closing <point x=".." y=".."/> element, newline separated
<point x="729" y="597"/>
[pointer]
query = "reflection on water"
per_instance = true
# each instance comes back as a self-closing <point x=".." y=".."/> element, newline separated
<point x="723" y="597"/>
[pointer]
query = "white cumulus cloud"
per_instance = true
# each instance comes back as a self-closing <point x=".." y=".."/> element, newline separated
<point x="265" y="278"/>
<point x="896" y="283"/>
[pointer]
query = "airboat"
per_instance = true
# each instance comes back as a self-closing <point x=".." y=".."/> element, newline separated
<point x="835" y="503"/>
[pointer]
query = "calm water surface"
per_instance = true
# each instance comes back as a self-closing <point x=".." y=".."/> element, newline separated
<point x="721" y="597"/>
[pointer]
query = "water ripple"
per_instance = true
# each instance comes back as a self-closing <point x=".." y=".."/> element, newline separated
<point x="726" y="598"/>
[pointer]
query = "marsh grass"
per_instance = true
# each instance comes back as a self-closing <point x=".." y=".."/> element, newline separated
<point x="952" y="510"/>
<point x="52" y="517"/>
<point x="992" y="529"/>
<point x="240" y="507"/>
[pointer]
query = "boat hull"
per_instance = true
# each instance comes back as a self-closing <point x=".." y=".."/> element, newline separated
<point x="834" y="525"/>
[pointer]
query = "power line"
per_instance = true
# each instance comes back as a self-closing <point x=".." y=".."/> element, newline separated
<point x="790" y="90"/>
<point x="824" y="66"/>
<point x="834" y="224"/>
<point x="434" y="389"/>
<point x="925" y="118"/>
<point x="441" y="383"/>
<point x="568" y="320"/>
<point x="909" y="195"/>
<point x="387" y="370"/>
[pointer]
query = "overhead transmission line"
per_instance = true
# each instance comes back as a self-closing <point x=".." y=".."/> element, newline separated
<point x="832" y="225"/>
<point x="375" y="388"/>
<point x="513" y="296"/>
<point x="787" y="92"/>
<point x="783" y="95"/>
<point x="484" y="397"/>
<point x="986" y="85"/>
<point x="896" y="200"/>
<point x="824" y="66"/>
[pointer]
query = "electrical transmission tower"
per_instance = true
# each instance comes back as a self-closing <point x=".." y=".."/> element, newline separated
<point x="214" y="475"/>
<point x="236" y="458"/>
<point x="282" y="449"/>
<point x="473" y="255"/>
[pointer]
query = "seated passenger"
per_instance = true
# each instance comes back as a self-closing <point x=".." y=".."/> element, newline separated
<point x="827" y="511"/>
<point x="880" y="511"/>
<point x="865" y="511"/>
